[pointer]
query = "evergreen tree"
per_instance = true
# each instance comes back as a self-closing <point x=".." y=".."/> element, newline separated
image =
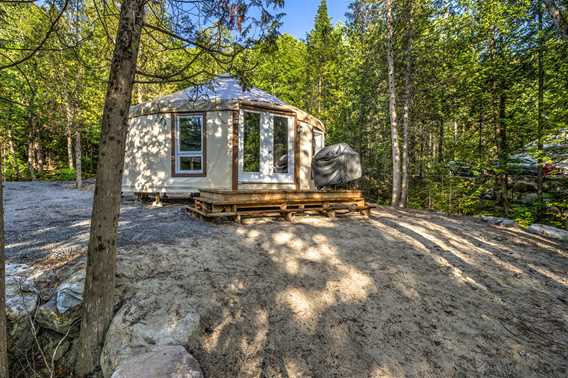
<point x="323" y="51"/>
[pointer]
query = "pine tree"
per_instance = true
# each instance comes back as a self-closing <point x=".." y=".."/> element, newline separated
<point x="321" y="51"/>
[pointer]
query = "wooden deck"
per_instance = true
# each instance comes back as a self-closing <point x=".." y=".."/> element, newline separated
<point x="277" y="203"/>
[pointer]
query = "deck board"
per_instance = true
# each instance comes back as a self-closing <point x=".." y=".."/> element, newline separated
<point x="213" y="203"/>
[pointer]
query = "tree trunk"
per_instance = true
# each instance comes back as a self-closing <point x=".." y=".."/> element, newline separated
<point x="396" y="177"/>
<point x="502" y="154"/>
<point x="31" y="144"/>
<point x="78" y="171"/>
<point x="540" y="177"/>
<point x="101" y="260"/>
<point x="69" y="134"/>
<point x="406" y="108"/>
<point x="441" y="138"/>
<point x="15" y="168"/>
<point x="3" y="333"/>
<point x="39" y="153"/>
<point x="480" y="131"/>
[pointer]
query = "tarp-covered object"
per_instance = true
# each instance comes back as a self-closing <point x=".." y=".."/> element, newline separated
<point x="337" y="164"/>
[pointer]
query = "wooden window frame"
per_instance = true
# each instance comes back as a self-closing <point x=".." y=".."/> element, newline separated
<point x="174" y="145"/>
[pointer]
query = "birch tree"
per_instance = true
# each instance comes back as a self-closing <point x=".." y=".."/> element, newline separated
<point x="407" y="104"/>
<point x="396" y="173"/>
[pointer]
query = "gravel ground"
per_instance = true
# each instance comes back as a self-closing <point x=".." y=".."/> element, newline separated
<point x="403" y="293"/>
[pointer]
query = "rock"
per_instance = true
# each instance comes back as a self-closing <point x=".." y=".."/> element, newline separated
<point x="54" y="345"/>
<point x="548" y="231"/>
<point x="144" y="323"/>
<point x="498" y="221"/>
<point x="21" y="302"/>
<point x="164" y="362"/>
<point x="528" y="198"/>
<point x="64" y="308"/>
<point x="524" y="186"/>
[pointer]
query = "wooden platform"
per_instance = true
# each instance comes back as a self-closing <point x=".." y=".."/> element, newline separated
<point x="269" y="203"/>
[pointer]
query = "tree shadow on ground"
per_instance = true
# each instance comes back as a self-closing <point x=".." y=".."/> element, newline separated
<point x="356" y="298"/>
<point x="403" y="293"/>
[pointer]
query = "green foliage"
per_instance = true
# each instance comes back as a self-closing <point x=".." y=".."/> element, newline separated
<point x="474" y="72"/>
<point x="524" y="216"/>
<point x="61" y="174"/>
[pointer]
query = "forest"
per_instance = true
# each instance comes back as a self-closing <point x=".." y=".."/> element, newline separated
<point x="459" y="107"/>
<point x="479" y="91"/>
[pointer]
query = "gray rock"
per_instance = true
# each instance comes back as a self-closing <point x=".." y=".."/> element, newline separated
<point x="54" y="345"/>
<point x="64" y="308"/>
<point x="498" y="221"/>
<point x="21" y="303"/>
<point x="548" y="231"/>
<point x="145" y="323"/>
<point x="528" y="198"/>
<point x="163" y="362"/>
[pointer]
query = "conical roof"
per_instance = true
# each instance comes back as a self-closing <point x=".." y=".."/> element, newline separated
<point x="222" y="93"/>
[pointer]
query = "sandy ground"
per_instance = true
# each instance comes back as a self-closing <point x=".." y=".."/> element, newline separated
<point x="403" y="293"/>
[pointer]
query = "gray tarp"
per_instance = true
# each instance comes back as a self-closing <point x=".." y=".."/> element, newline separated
<point x="337" y="164"/>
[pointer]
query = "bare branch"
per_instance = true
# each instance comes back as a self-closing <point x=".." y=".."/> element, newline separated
<point x="42" y="42"/>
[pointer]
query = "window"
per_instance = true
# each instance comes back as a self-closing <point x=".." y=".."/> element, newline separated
<point x="251" y="150"/>
<point x="280" y="144"/>
<point x="266" y="147"/>
<point x="318" y="142"/>
<point x="189" y="144"/>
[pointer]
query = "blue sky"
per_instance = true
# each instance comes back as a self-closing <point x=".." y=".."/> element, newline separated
<point x="300" y="15"/>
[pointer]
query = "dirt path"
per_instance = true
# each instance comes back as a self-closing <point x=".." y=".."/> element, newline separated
<point x="403" y="293"/>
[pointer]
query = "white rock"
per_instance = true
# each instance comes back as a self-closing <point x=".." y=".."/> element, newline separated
<point x="21" y="303"/>
<point x="145" y="323"/>
<point x="163" y="362"/>
<point x="498" y="221"/>
<point x="70" y="293"/>
<point x="63" y="309"/>
<point x="548" y="231"/>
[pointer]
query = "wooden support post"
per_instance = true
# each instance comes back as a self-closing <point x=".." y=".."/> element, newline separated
<point x="289" y="216"/>
<point x="157" y="200"/>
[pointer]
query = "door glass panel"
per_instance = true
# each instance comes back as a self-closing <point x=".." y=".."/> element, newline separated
<point x="280" y="143"/>
<point x="190" y="134"/>
<point x="190" y="163"/>
<point x="251" y="150"/>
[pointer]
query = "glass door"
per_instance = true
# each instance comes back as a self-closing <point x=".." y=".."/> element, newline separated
<point x="266" y="148"/>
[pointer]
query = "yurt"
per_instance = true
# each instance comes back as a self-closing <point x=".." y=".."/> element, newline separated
<point x="219" y="136"/>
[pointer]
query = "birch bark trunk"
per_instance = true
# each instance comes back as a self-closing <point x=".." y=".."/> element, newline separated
<point x="15" y="168"/>
<point x="101" y="259"/>
<point x="406" y="108"/>
<point x="78" y="163"/>
<point x="540" y="176"/>
<point x="396" y="176"/>
<point x="31" y="146"/>
<point x="69" y="134"/>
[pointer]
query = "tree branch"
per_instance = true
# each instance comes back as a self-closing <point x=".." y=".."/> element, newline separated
<point x="42" y="42"/>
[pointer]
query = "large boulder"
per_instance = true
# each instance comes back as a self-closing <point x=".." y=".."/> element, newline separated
<point x="144" y="323"/>
<point x="548" y="231"/>
<point x="506" y="222"/>
<point x="21" y="302"/>
<point x="64" y="308"/>
<point x="163" y="362"/>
